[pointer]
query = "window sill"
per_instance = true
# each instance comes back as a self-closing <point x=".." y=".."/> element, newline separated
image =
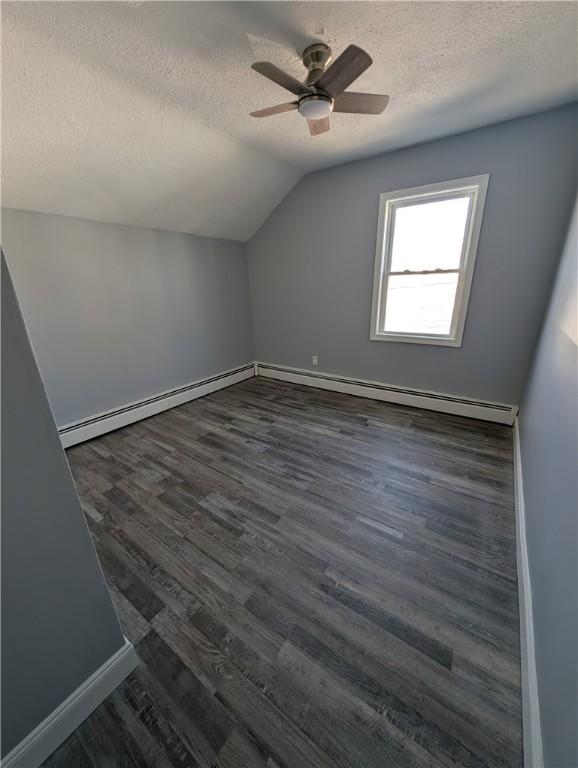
<point x="440" y="341"/>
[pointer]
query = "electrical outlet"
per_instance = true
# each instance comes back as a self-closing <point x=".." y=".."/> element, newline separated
<point x="315" y="360"/>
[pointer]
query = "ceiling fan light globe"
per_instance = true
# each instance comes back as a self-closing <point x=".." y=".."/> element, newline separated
<point x="315" y="107"/>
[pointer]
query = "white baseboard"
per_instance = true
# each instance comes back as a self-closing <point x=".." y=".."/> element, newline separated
<point x="533" y="755"/>
<point x="57" y="727"/>
<point x="375" y="390"/>
<point x="99" y="424"/>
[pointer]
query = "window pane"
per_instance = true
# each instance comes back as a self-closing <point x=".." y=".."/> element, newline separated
<point x="420" y="303"/>
<point x="429" y="235"/>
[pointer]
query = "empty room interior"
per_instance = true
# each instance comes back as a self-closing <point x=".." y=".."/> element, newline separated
<point x="289" y="384"/>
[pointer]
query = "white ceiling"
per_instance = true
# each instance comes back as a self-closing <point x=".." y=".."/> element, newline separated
<point x="138" y="112"/>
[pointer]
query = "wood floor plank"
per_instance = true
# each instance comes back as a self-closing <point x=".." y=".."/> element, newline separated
<point x="415" y="671"/>
<point x="241" y="752"/>
<point x="344" y="726"/>
<point x="311" y="580"/>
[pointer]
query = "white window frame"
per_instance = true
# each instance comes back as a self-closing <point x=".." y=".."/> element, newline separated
<point x="474" y="187"/>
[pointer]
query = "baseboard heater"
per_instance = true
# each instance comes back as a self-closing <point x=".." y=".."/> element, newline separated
<point x="500" y="413"/>
<point x="99" y="424"/>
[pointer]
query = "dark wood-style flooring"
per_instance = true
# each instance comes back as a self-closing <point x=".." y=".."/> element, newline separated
<point x="310" y="580"/>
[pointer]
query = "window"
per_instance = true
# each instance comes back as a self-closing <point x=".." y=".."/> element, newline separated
<point x="426" y="247"/>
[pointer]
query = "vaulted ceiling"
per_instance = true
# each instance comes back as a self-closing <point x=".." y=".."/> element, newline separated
<point x="138" y="112"/>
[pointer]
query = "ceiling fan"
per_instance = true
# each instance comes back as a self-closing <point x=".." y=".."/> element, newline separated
<point x="323" y="91"/>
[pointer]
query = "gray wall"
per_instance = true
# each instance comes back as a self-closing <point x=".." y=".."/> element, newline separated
<point x="311" y="263"/>
<point x="58" y="623"/>
<point x="548" y="423"/>
<point x="117" y="313"/>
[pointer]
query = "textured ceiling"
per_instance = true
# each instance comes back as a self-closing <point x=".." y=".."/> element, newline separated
<point x="138" y="112"/>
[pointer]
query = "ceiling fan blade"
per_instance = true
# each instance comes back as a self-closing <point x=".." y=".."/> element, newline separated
<point x="318" y="126"/>
<point x="277" y="75"/>
<point x="290" y="105"/>
<point x="360" y="103"/>
<point x="345" y="69"/>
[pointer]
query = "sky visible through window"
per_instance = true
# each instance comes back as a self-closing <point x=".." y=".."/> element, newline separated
<point x="426" y="236"/>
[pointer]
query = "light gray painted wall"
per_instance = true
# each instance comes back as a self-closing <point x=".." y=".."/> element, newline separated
<point x="548" y="422"/>
<point x="58" y="623"/>
<point x="117" y="313"/>
<point x="311" y="263"/>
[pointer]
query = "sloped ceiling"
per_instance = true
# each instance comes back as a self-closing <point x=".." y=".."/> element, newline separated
<point x="138" y="113"/>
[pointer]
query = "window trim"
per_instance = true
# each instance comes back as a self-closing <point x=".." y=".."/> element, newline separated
<point x="476" y="188"/>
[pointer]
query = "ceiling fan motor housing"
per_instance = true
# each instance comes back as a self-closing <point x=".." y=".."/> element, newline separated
<point x="316" y="57"/>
